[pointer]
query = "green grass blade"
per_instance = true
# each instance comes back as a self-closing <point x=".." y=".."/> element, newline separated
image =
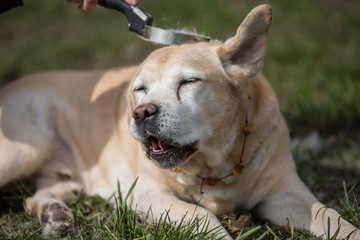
<point x="34" y="233"/>
<point x="248" y="233"/>
<point x="291" y="225"/>
<point x="131" y="189"/>
<point x="272" y="232"/>
<point x="263" y="235"/>
<point x="346" y="194"/>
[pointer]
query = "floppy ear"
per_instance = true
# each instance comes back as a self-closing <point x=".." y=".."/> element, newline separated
<point x="130" y="104"/>
<point x="243" y="54"/>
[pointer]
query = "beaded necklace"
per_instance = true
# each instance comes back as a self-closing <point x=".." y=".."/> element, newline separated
<point x="237" y="169"/>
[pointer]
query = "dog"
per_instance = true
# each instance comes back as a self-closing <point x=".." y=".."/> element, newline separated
<point x="198" y="125"/>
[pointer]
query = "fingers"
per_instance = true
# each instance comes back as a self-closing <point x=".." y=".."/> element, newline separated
<point x="88" y="5"/>
<point x="132" y="2"/>
<point x="74" y="1"/>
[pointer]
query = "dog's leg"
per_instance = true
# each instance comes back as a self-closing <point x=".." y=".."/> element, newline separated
<point x="176" y="209"/>
<point x="19" y="159"/>
<point x="48" y="204"/>
<point x="25" y="132"/>
<point x="295" y="203"/>
<point x="24" y="142"/>
<point x="55" y="181"/>
<point x="322" y="216"/>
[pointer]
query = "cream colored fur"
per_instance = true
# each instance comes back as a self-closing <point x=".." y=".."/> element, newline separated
<point x="73" y="130"/>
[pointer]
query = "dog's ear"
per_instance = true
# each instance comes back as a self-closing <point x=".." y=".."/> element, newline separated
<point x="130" y="104"/>
<point x="243" y="54"/>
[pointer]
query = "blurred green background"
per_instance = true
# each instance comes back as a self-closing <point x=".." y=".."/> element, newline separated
<point x="313" y="58"/>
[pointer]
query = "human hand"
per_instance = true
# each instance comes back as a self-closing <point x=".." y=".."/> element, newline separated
<point x="89" y="5"/>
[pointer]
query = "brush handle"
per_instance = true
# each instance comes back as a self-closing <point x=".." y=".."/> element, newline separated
<point x="137" y="17"/>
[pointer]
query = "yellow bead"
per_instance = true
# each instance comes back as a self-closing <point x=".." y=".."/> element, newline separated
<point x="235" y="172"/>
<point x="210" y="181"/>
<point x="246" y="130"/>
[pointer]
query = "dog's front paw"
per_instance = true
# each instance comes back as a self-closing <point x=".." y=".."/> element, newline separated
<point x="56" y="219"/>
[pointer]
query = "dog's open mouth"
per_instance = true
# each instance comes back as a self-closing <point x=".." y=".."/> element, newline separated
<point x="168" y="155"/>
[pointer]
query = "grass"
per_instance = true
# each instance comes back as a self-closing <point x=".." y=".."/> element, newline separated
<point x="312" y="62"/>
<point x="96" y="218"/>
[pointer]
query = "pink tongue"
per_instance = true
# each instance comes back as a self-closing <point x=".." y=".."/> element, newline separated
<point x="159" y="146"/>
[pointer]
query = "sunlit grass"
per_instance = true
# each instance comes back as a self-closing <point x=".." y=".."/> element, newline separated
<point x="97" y="218"/>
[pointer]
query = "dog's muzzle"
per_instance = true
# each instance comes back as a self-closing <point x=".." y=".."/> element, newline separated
<point x="161" y="148"/>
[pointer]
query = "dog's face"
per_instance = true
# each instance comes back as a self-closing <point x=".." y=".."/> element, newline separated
<point x="188" y="98"/>
<point x="180" y="93"/>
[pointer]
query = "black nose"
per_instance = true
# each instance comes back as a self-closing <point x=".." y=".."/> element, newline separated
<point x="145" y="111"/>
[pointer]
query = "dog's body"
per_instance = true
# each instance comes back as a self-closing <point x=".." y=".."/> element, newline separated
<point x="186" y="107"/>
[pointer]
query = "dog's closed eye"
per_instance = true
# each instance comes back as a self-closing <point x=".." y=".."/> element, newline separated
<point x="140" y="92"/>
<point x="188" y="81"/>
<point x="185" y="82"/>
<point x="140" y="89"/>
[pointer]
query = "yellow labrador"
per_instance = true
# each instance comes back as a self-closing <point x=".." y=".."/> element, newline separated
<point x="197" y="123"/>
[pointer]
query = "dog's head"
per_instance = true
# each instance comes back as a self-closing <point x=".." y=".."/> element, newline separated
<point x="190" y="98"/>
